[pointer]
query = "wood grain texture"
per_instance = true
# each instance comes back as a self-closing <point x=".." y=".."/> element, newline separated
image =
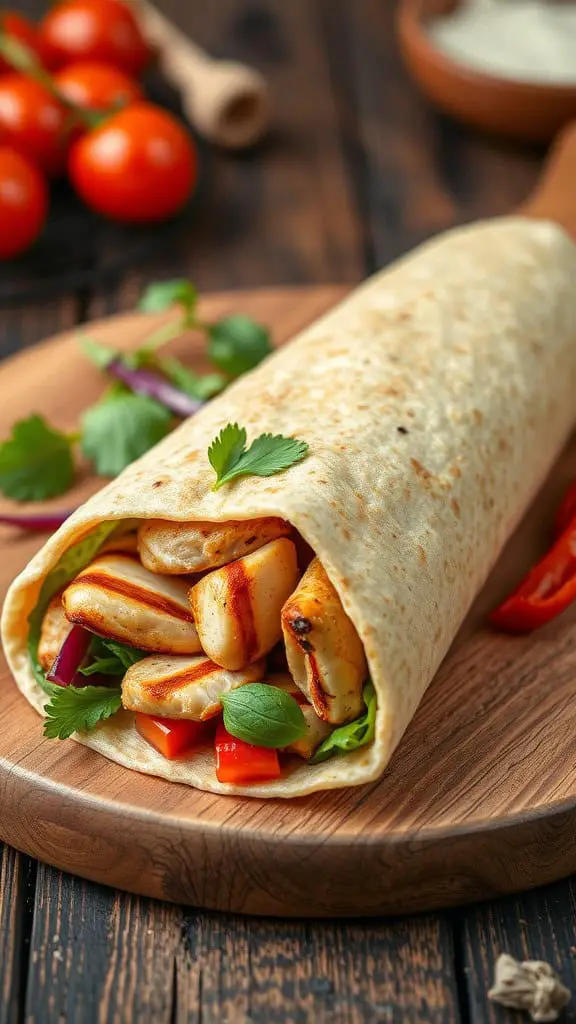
<point x="97" y="955"/>
<point x="17" y="879"/>
<point x="478" y="800"/>
<point x="535" y="926"/>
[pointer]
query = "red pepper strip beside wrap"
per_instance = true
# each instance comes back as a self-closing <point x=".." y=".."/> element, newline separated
<point x="548" y="589"/>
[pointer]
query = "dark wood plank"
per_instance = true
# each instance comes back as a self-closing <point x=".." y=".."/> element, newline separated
<point x="415" y="172"/>
<point x="17" y="876"/>
<point x="99" y="955"/>
<point x="277" y="972"/>
<point x="282" y="212"/>
<point x="539" y="925"/>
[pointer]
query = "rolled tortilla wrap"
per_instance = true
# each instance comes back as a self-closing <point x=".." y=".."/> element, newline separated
<point x="434" y="400"/>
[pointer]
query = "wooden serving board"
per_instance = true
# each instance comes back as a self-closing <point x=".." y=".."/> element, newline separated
<point x="479" y="799"/>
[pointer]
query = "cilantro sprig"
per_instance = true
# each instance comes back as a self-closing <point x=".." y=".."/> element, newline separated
<point x="79" y="709"/>
<point x="37" y="460"/>
<point x="267" y="455"/>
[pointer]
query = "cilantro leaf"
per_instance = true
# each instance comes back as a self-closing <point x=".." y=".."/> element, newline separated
<point x="122" y="427"/>
<point x="355" y="734"/>
<point x="79" y="709"/>
<point x="100" y="355"/>
<point x="163" y="294"/>
<point x="36" y="461"/>
<point x="237" y="344"/>
<point x="110" y="658"/>
<point x="263" y="715"/>
<point x="198" y="386"/>
<point x="226" y="449"/>
<point x="267" y="455"/>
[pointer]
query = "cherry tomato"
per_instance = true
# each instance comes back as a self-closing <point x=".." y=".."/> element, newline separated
<point x="23" y="202"/>
<point x="16" y="25"/>
<point x="34" y="122"/>
<point x="139" y="165"/>
<point x="98" y="87"/>
<point x="101" y="30"/>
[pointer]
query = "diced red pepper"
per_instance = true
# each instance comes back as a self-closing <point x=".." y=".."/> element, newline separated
<point x="238" y="762"/>
<point x="567" y="512"/>
<point x="172" y="737"/>
<point x="548" y="589"/>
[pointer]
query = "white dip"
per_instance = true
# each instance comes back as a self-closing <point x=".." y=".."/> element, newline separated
<point x="527" y="40"/>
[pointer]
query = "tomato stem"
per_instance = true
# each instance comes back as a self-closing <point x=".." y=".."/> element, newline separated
<point x="21" y="58"/>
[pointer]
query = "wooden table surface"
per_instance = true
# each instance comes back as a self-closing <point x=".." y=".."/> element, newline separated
<point x="358" y="170"/>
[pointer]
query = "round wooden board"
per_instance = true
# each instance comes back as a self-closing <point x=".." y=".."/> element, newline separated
<point x="479" y="799"/>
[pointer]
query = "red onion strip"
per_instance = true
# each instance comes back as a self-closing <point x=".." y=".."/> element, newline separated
<point x="142" y="382"/>
<point x="36" y="522"/>
<point x="70" y="657"/>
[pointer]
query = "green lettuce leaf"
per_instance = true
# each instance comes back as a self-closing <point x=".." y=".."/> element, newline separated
<point x="353" y="735"/>
<point x="67" y="568"/>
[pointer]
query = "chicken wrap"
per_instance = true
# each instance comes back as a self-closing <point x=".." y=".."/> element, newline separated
<point x="272" y="635"/>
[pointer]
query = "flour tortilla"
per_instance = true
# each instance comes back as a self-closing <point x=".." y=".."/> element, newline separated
<point x="434" y="400"/>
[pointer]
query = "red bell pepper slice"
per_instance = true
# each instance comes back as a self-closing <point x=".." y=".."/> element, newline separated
<point x="172" y="737"/>
<point x="567" y="512"/>
<point x="239" y="762"/>
<point x="547" y="590"/>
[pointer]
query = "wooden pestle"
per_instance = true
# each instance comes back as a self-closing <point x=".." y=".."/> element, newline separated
<point x="226" y="101"/>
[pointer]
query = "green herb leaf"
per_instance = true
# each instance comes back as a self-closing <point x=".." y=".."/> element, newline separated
<point x="267" y="455"/>
<point x="122" y="427"/>
<point x="110" y="658"/>
<point x="237" y="344"/>
<point x="98" y="354"/>
<point x="73" y="709"/>
<point x="66" y="569"/>
<point x="198" y="386"/>
<point x="163" y="294"/>
<point x="263" y="715"/>
<point x="355" y="734"/>
<point x="226" y="449"/>
<point x="36" y="461"/>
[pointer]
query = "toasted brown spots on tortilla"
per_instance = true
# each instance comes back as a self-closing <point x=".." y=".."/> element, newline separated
<point x="159" y="483"/>
<point x="503" y="444"/>
<point x="420" y="469"/>
<point x="422" y="554"/>
<point x="478" y="416"/>
<point x="455" y="471"/>
<point x="455" y="507"/>
<point x="346" y="534"/>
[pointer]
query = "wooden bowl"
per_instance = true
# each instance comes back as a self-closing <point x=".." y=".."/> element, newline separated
<point x="518" y="110"/>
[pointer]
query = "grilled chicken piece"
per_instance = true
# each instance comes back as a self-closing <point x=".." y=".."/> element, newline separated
<point x="325" y="654"/>
<point x="195" y="547"/>
<point x="316" y="733"/>
<point x="183" y="687"/>
<point x="237" y="608"/>
<point x="116" y="597"/>
<point x="317" y="730"/>
<point x="54" y="630"/>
